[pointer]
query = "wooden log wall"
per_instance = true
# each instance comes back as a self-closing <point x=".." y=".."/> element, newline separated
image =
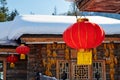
<point x="34" y="62"/>
<point x="102" y="55"/>
<point x="19" y="72"/>
<point x="39" y="53"/>
<point x="27" y="69"/>
<point x="39" y="59"/>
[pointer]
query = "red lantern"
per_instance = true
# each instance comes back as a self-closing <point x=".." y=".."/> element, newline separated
<point x="22" y="50"/>
<point x="83" y="35"/>
<point x="12" y="59"/>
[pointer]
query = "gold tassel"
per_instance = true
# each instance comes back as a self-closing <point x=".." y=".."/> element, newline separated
<point x="12" y="65"/>
<point x="84" y="57"/>
<point x="22" y="56"/>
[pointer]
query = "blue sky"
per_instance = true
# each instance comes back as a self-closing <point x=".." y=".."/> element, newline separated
<point x="43" y="7"/>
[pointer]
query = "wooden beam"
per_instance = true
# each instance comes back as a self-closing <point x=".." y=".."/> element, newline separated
<point x="52" y="39"/>
<point x="42" y="40"/>
<point x="7" y="50"/>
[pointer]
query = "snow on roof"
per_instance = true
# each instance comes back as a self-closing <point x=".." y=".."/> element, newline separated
<point x="49" y="24"/>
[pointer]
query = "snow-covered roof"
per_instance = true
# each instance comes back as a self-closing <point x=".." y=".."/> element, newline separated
<point x="49" y="24"/>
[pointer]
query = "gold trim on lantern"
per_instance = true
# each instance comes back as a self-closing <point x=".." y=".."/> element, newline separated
<point x="82" y="19"/>
<point x="12" y="65"/>
<point x="22" y="45"/>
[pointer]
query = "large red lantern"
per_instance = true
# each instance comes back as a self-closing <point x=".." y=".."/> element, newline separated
<point x="83" y="35"/>
<point x="12" y="59"/>
<point x="22" y="50"/>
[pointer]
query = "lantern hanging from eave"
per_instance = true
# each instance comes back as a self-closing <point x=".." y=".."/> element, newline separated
<point x="83" y="35"/>
<point x="22" y="50"/>
<point x="12" y="59"/>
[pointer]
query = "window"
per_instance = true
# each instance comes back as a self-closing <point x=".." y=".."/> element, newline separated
<point x="2" y="69"/>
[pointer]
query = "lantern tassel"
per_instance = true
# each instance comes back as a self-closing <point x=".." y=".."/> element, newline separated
<point x="22" y="56"/>
<point x="84" y="57"/>
<point x="12" y="65"/>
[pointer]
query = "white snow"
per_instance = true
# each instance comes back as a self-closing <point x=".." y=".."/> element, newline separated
<point x="49" y="24"/>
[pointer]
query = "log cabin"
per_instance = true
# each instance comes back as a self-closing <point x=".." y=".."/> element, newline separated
<point x="50" y="55"/>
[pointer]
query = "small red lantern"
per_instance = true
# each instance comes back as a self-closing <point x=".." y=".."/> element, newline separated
<point x="12" y="59"/>
<point x="22" y="50"/>
<point x="83" y="35"/>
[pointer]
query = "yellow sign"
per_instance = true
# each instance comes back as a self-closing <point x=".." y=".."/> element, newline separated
<point x="84" y="58"/>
